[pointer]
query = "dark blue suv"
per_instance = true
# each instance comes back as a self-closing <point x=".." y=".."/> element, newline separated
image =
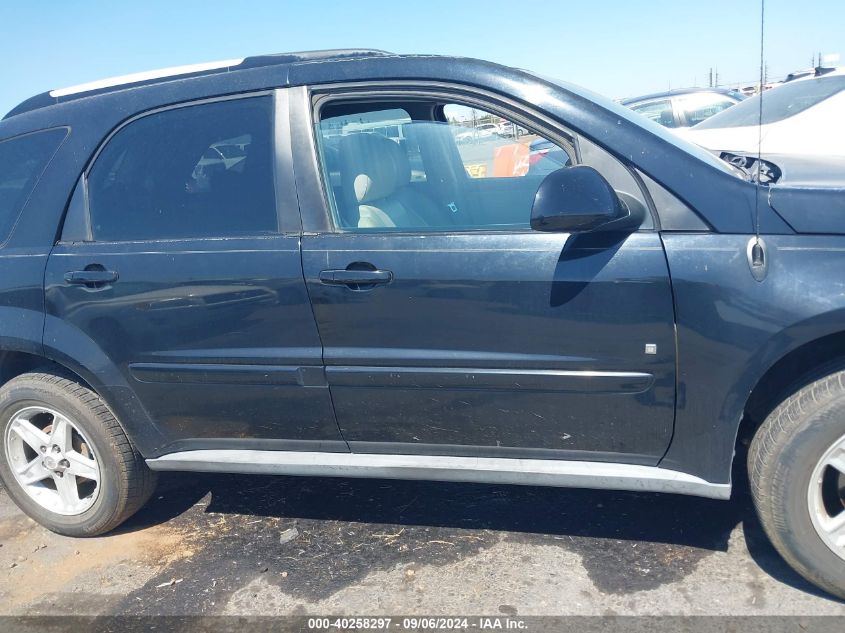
<point x="333" y="264"/>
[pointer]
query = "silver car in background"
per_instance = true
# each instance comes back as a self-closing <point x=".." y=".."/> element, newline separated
<point x="684" y="107"/>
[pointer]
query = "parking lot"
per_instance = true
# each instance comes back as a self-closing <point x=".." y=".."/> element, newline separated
<point x="273" y="545"/>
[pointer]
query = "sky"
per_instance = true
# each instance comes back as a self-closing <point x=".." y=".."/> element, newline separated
<point x="616" y="47"/>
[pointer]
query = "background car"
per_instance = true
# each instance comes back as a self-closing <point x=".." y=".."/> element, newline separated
<point x="544" y="156"/>
<point x="802" y="117"/>
<point x="685" y="107"/>
<point x="464" y="135"/>
<point x="486" y="130"/>
<point x="810" y="73"/>
<point x="506" y="129"/>
<point x="473" y="134"/>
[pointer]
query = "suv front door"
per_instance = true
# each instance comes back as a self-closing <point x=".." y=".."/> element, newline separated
<point x="186" y="276"/>
<point x="448" y="326"/>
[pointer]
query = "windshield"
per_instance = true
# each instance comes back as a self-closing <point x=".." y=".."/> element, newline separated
<point x="656" y="129"/>
<point x="778" y="104"/>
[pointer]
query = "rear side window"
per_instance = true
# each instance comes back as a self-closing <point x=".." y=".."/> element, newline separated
<point x="197" y="171"/>
<point x="22" y="161"/>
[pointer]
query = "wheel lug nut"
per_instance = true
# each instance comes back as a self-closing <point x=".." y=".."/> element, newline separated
<point x="64" y="463"/>
<point x="56" y="449"/>
<point x="43" y="449"/>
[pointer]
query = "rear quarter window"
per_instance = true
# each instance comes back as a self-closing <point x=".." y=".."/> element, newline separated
<point x="22" y="161"/>
<point x="196" y="171"/>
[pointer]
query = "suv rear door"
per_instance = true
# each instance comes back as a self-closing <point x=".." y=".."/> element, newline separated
<point x="180" y="262"/>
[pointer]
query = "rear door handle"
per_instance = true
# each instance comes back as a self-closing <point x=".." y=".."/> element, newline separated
<point x="90" y="277"/>
<point x="343" y="277"/>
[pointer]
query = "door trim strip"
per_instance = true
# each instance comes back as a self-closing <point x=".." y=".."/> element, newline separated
<point x="490" y="470"/>
<point x="616" y="382"/>
<point x="228" y="374"/>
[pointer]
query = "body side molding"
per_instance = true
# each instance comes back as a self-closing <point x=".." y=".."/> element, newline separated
<point x="490" y="378"/>
<point x="229" y="373"/>
<point x="530" y="472"/>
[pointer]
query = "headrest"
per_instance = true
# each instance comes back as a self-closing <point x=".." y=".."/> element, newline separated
<point x="372" y="166"/>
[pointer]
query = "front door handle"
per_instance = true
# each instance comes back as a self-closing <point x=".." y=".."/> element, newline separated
<point x="343" y="277"/>
<point x="90" y="277"/>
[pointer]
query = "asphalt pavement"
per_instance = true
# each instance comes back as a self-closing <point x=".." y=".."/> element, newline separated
<point x="218" y="544"/>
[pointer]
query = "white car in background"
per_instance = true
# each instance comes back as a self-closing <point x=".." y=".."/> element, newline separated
<point x="474" y="134"/>
<point x="505" y="129"/>
<point x="486" y="130"/>
<point x="805" y="117"/>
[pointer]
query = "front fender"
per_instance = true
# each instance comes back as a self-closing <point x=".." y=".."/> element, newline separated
<point x="731" y="329"/>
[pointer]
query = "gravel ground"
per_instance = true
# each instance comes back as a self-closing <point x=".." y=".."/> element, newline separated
<point x="214" y="544"/>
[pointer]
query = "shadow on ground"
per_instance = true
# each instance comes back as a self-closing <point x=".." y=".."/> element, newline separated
<point x="316" y="536"/>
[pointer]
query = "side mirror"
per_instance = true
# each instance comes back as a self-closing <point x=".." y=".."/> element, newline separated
<point x="579" y="199"/>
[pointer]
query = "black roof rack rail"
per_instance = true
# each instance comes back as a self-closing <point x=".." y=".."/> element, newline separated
<point x="53" y="97"/>
<point x="305" y="56"/>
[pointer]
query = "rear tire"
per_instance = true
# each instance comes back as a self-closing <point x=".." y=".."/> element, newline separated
<point x="64" y="458"/>
<point x="797" y="489"/>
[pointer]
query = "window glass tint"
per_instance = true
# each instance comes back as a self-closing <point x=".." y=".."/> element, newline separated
<point x="778" y="103"/>
<point x="387" y="169"/>
<point x="22" y="161"/>
<point x="198" y="171"/>
<point x="657" y="111"/>
<point x="700" y="107"/>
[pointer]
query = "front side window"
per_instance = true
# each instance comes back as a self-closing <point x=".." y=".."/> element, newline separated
<point x="389" y="123"/>
<point x="191" y="172"/>
<point x="700" y="107"/>
<point x="493" y="147"/>
<point x="22" y="161"/>
<point x="431" y="167"/>
<point x="657" y="111"/>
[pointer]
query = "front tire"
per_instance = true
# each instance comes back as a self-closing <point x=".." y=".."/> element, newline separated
<point x="64" y="458"/>
<point x="796" y="468"/>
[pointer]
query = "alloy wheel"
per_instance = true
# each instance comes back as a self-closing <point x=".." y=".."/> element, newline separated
<point x="52" y="460"/>
<point x="825" y="498"/>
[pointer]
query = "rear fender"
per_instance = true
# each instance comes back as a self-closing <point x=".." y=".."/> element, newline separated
<point x="71" y="348"/>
